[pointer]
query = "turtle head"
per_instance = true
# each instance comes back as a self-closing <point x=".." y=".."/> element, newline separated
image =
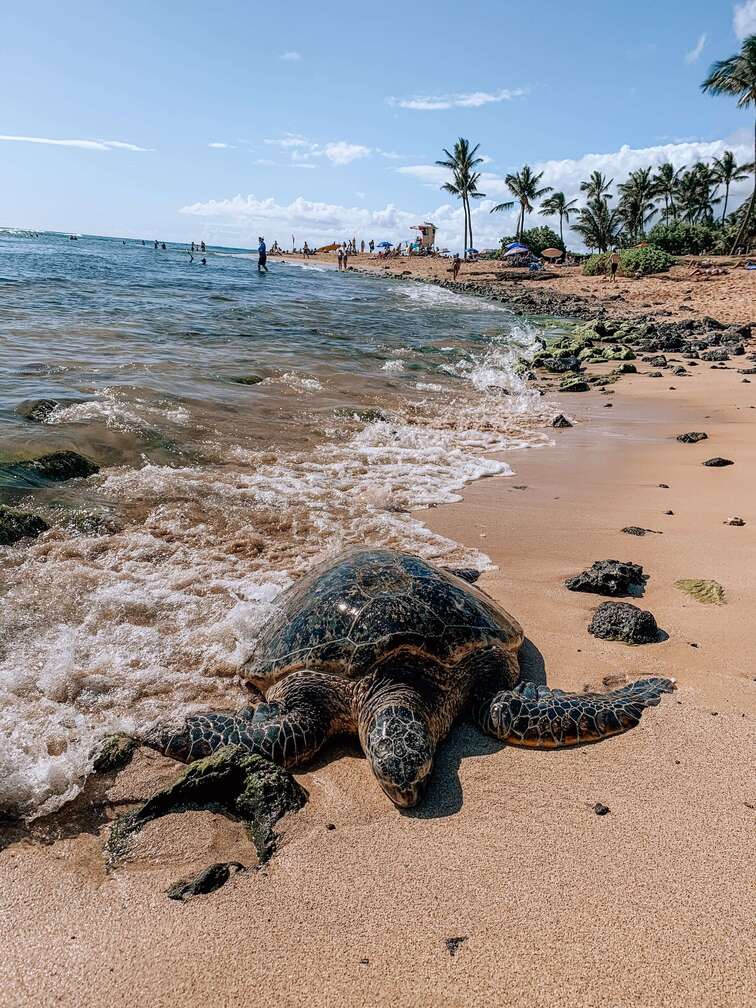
<point x="400" y="750"/>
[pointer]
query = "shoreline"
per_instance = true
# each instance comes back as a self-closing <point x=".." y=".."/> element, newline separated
<point x="506" y="854"/>
<point x="567" y="292"/>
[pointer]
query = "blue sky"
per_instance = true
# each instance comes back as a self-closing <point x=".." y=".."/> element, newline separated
<point x="222" y="120"/>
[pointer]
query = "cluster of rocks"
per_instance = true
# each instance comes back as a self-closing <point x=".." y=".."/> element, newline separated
<point x="55" y="467"/>
<point x="617" y="621"/>
<point x="602" y="341"/>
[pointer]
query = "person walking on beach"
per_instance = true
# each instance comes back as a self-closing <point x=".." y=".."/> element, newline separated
<point x="340" y="257"/>
<point x="305" y="250"/>
<point x="456" y="263"/>
<point x="614" y="265"/>
<point x="262" y="255"/>
<point x="371" y="246"/>
<point x="346" y="255"/>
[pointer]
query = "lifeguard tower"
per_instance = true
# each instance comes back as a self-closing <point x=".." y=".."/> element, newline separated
<point x="427" y="235"/>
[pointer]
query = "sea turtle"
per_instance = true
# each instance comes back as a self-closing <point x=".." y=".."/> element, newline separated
<point x="388" y="646"/>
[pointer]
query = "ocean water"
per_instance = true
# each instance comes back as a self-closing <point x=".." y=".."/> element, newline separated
<point x="246" y="427"/>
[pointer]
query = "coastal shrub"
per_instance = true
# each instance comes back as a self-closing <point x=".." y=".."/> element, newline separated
<point x="595" y="265"/>
<point x="633" y="262"/>
<point x="684" y="238"/>
<point x="644" y="260"/>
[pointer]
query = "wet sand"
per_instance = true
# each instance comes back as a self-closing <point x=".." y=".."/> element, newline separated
<point x="730" y="297"/>
<point x="650" y="904"/>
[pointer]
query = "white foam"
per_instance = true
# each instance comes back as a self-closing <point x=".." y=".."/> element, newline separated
<point x="393" y="365"/>
<point x="111" y="407"/>
<point x="112" y="632"/>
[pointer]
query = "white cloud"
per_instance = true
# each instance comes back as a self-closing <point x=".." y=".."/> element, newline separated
<point x="693" y="55"/>
<point x="292" y="56"/>
<point x="221" y="146"/>
<point x="744" y="19"/>
<point x="432" y="175"/>
<point x="471" y="99"/>
<point x="100" y="145"/>
<point x="338" y="152"/>
<point x="342" y="153"/>
<point x="270" y="163"/>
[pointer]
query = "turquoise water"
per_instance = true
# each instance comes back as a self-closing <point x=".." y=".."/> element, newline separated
<point x="245" y="426"/>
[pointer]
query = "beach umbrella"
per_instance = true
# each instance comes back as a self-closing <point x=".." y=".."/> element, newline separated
<point x="384" y="244"/>
<point x="474" y="251"/>
<point x="517" y="251"/>
<point x="552" y="253"/>
<point x="518" y="246"/>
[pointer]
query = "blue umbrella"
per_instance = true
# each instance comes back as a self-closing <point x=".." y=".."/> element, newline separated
<point x="516" y="246"/>
<point x="384" y="244"/>
<point x="474" y="251"/>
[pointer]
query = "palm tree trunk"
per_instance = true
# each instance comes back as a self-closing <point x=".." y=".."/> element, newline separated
<point x="466" y="211"/>
<point x="727" y="196"/>
<point x="743" y="229"/>
<point x="469" y="224"/>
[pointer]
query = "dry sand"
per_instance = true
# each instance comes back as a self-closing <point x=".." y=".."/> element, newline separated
<point x="651" y="904"/>
<point x="730" y="297"/>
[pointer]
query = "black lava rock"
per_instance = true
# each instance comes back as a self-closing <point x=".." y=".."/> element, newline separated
<point x="18" y="525"/>
<point x="692" y="437"/>
<point x="207" y="881"/>
<point x="574" y="386"/>
<point x="561" y="421"/>
<point x="659" y="361"/>
<point x="715" y="355"/>
<point x="620" y="621"/>
<point x="600" y="809"/>
<point x="627" y="369"/>
<point x="747" y="370"/>
<point x="39" y="410"/>
<point x="609" y="577"/>
<point x="718" y="463"/>
<point x="735" y="521"/>
<point x="59" y="466"/>
<point x="636" y="530"/>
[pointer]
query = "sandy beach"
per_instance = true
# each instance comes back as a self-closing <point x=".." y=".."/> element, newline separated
<point x="729" y="296"/>
<point x="504" y="886"/>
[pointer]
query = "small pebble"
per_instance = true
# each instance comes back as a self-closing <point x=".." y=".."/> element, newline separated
<point x="669" y="512"/>
<point x="734" y="521"/>
<point x="600" y="809"/>
<point x="664" y="486"/>
<point x="453" y="944"/>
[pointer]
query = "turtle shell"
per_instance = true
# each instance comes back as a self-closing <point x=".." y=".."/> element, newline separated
<point x="350" y="614"/>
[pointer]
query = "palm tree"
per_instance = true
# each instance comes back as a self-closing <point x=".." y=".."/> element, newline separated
<point x="596" y="187"/>
<point x="736" y="76"/>
<point x="695" y="193"/>
<point x="665" y="182"/>
<point x="524" y="186"/>
<point x="558" y="204"/>
<point x="636" y="207"/>
<point x="461" y="163"/>
<point x="728" y="171"/>
<point x="599" y="227"/>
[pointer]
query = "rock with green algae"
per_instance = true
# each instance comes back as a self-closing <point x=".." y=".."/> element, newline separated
<point x="233" y="782"/>
<point x="708" y="592"/>
<point x="18" y="525"/>
<point x="114" y="753"/>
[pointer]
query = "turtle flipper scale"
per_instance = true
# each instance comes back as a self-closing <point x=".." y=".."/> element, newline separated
<point x="540" y="718"/>
<point x="288" y="728"/>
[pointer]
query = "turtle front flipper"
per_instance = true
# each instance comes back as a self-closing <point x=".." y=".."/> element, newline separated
<point x="288" y="728"/>
<point x="541" y="718"/>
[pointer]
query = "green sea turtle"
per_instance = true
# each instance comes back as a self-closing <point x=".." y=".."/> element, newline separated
<point x="392" y="648"/>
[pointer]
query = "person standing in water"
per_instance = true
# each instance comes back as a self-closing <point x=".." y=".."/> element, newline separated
<point x="340" y="257"/>
<point x="346" y="256"/>
<point x="262" y="256"/>
<point x="456" y="263"/>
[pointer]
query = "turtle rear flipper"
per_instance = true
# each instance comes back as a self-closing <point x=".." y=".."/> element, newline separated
<point x="541" y="718"/>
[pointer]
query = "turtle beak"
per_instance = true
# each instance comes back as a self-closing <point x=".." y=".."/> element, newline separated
<point x="403" y="791"/>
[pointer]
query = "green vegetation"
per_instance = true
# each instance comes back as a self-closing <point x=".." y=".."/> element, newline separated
<point x="681" y="210"/>
<point x="736" y="77"/>
<point x="638" y="261"/>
